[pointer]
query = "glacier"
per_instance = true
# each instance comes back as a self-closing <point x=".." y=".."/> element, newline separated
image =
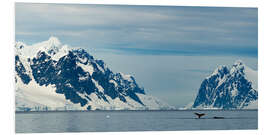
<point x="53" y="76"/>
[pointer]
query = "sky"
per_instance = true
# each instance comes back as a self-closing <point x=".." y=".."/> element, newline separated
<point x="168" y="49"/>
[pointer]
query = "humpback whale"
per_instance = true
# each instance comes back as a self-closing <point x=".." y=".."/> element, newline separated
<point x="218" y="117"/>
<point x="199" y="115"/>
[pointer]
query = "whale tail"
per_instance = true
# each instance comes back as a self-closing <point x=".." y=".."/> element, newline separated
<point x="199" y="115"/>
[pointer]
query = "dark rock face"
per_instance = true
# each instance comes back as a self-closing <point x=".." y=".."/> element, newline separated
<point x="21" y="71"/>
<point x="226" y="89"/>
<point x="43" y="69"/>
<point x="70" y="79"/>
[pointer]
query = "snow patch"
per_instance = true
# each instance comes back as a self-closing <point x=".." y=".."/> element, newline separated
<point x="252" y="75"/>
<point x="113" y="82"/>
<point x="252" y="105"/>
<point x="35" y="96"/>
<point x="100" y="88"/>
<point x="86" y="68"/>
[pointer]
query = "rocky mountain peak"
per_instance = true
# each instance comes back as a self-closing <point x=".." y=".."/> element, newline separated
<point x="73" y="76"/>
<point x="233" y="88"/>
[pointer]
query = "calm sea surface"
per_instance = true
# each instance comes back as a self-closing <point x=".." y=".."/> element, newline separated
<point x="106" y="121"/>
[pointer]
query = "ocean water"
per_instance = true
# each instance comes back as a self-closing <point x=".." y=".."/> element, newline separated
<point x="110" y="121"/>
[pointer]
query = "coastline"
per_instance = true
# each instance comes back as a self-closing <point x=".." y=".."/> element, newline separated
<point x="136" y="110"/>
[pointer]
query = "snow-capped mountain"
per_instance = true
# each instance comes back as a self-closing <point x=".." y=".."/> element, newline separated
<point x="229" y="88"/>
<point x="53" y="76"/>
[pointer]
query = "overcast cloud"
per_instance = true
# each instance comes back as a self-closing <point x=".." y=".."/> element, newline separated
<point x="159" y="38"/>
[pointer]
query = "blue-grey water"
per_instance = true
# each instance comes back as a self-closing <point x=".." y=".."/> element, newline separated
<point x="109" y="121"/>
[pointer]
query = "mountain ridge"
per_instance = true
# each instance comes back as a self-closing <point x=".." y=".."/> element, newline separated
<point x="72" y="77"/>
<point x="228" y="88"/>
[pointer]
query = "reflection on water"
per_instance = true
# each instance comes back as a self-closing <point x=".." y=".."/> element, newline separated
<point x="102" y="121"/>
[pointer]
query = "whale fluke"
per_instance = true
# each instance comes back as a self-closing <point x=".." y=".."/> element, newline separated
<point x="199" y="115"/>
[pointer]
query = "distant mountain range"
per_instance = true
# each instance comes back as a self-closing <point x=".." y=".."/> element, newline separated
<point x="233" y="87"/>
<point x="53" y="76"/>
